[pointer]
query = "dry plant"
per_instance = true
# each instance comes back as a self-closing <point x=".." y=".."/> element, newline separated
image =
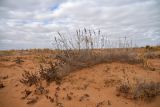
<point x="30" y="78"/>
<point x="18" y="60"/>
<point x="82" y="51"/>
<point x="41" y="59"/>
<point x="152" y="54"/>
<point x="50" y="73"/>
<point x="138" y="90"/>
<point x="85" y="51"/>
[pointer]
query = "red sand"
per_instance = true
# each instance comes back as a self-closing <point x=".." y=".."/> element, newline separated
<point x="89" y="87"/>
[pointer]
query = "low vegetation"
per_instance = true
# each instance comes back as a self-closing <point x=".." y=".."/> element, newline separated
<point x="7" y="52"/>
<point x="74" y="56"/>
<point x="139" y="91"/>
<point x="49" y="74"/>
<point x="30" y="78"/>
<point x="18" y="60"/>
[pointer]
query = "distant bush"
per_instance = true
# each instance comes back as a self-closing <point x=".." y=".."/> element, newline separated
<point x="152" y="48"/>
<point x="148" y="47"/>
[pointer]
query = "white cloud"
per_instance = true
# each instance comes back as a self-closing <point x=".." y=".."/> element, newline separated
<point x="30" y="23"/>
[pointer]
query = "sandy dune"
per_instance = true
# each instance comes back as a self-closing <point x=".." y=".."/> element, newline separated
<point x="90" y="87"/>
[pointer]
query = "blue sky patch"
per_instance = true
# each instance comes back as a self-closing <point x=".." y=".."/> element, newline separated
<point x="54" y="7"/>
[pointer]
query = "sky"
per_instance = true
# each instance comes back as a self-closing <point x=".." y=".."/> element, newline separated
<point x="34" y="23"/>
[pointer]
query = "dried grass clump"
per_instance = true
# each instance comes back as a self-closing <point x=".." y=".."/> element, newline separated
<point x="50" y="74"/>
<point x="152" y="55"/>
<point x="73" y="60"/>
<point x="140" y="91"/>
<point x="76" y="59"/>
<point x="152" y="48"/>
<point x="123" y="55"/>
<point x="41" y="59"/>
<point x="30" y="78"/>
<point x="146" y="90"/>
<point x="18" y="60"/>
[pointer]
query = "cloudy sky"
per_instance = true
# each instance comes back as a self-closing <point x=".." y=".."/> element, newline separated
<point x="34" y="23"/>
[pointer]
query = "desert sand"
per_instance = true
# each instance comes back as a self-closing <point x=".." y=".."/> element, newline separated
<point x="94" y="86"/>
